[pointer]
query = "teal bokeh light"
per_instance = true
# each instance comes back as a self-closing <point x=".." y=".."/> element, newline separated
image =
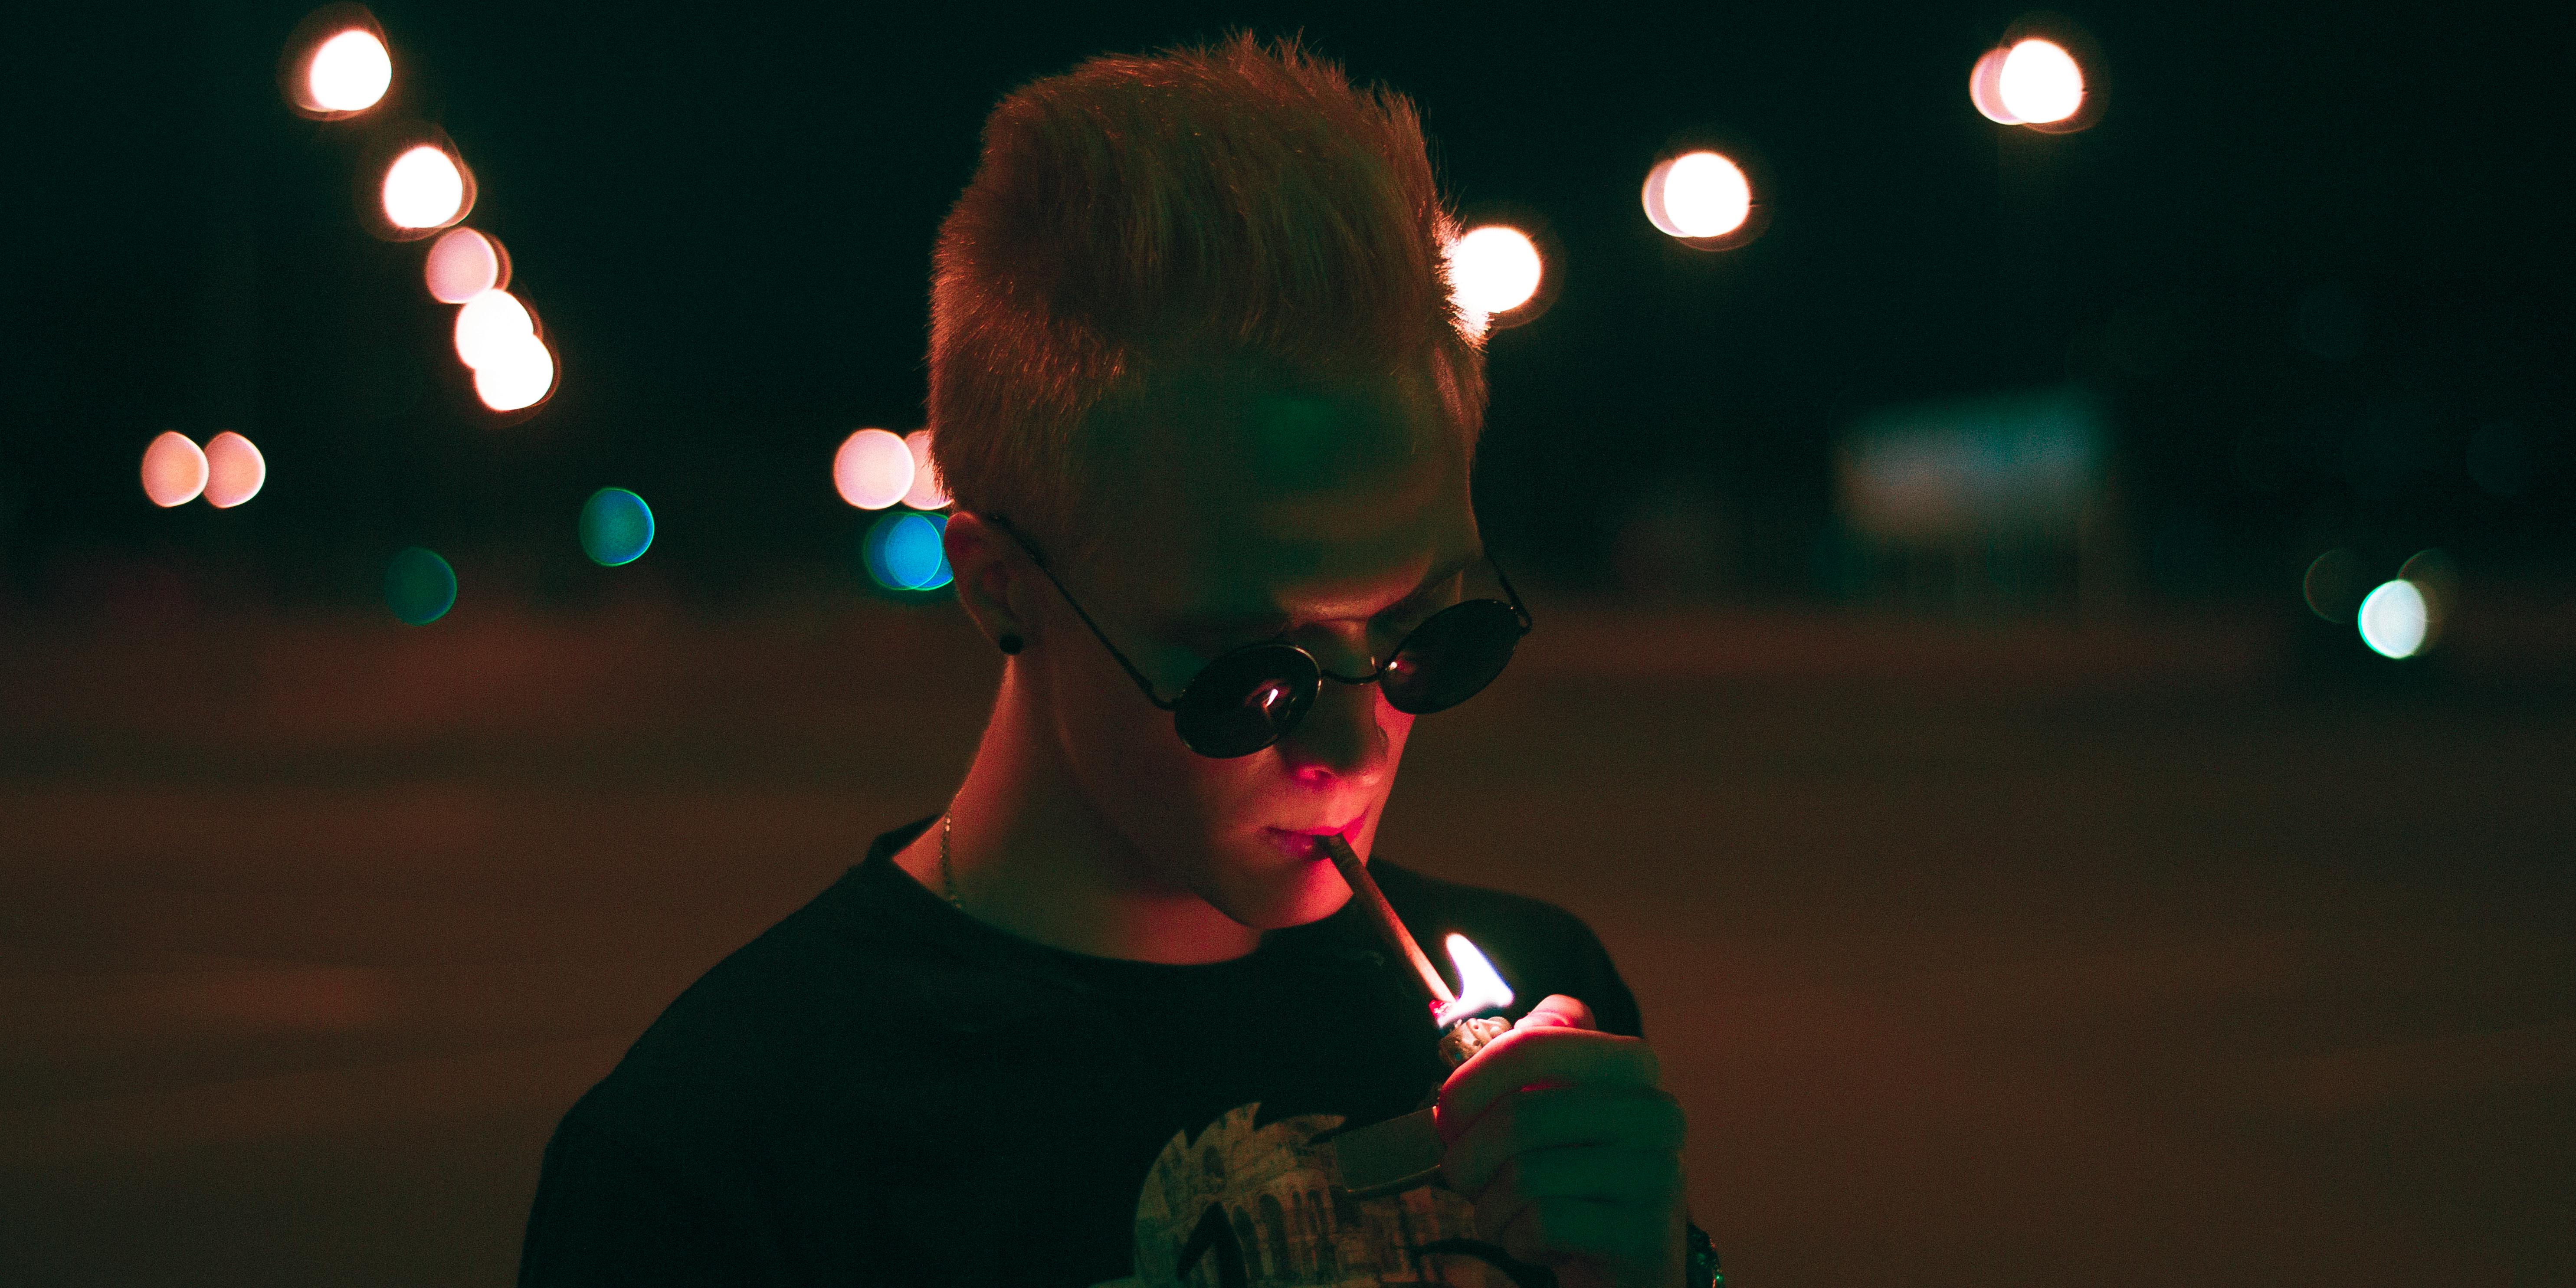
<point x="905" y="550"/>
<point x="616" y="527"/>
<point x="419" y="586"/>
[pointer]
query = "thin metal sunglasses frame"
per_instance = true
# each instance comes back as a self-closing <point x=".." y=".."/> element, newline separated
<point x="1377" y="672"/>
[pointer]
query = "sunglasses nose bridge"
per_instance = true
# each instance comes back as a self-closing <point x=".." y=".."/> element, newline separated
<point x="1341" y="735"/>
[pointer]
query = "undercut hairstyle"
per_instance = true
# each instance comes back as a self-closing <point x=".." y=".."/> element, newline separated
<point x="1141" y="212"/>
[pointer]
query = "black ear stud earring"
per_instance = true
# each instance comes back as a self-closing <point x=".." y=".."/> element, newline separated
<point x="1011" y="643"/>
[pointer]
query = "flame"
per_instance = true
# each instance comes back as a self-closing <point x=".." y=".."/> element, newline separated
<point x="1479" y="988"/>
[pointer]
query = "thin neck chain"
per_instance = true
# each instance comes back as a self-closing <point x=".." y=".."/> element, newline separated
<point x="947" y="874"/>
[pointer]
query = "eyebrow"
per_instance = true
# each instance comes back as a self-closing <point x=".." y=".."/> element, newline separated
<point x="1202" y="626"/>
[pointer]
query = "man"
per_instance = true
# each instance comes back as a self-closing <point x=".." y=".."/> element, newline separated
<point x="1207" y="412"/>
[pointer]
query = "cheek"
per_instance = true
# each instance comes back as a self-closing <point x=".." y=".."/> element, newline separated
<point x="1134" y="769"/>
<point x="1397" y="725"/>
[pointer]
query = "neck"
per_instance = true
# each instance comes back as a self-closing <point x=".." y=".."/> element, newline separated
<point x="1031" y="856"/>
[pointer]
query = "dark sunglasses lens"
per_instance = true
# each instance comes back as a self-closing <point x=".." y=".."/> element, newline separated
<point x="1452" y="657"/>
<point x="1246" y="700"/>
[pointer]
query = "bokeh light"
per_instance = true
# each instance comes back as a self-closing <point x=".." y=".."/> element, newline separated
<point x="349" y="73"/>
<point x="616" y="527"/>
<point x="2437" y="579"/>
<point x="464" y="263"/>
<point x="516" y="373"/>
<point x="873" y="469"/>
<point x="926" y="493"/>
<point x="424" y="188"/>
<point x="1493" y="269"/>
<point x="1698" y="194"/>
<point x="235" y="471"/>
<point x="174" y="470"/>
<point x="2393" y="620"/>
<point x="1985" y="87"/>
<point x="907" y="550"/>
<point x="1480" y="987"/>
<point x="2333" y="584"/>
<point x="419" y="586"/>
<point x="2039" y="83"/>
<point x="489" y="325"/>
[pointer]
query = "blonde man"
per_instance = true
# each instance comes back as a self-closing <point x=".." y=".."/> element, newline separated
<point x="1207" y="413"/>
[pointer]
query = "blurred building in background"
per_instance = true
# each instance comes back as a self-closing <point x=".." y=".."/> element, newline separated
<point x="1990" y="505"/>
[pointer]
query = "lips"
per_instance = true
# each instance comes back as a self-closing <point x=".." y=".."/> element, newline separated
<point x="1301" y="837"/>
<point x="1344" y="831"/>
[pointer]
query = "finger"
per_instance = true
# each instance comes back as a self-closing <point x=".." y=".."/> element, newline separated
<point x="1556" y="1010"/>
<point x="1524" y="1057"/>
<point x="1636" y="1118"/>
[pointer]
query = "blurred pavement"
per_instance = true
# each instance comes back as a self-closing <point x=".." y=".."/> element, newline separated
<point x="2001" y="956"/>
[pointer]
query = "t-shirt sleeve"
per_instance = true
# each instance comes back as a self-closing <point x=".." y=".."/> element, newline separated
<point x="603" y="1215"/>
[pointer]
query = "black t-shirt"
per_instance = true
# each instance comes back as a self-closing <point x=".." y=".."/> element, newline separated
<point x="881" y="1089"/>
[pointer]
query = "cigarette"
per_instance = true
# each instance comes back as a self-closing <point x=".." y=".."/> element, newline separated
<point x="1355" y="875"/>
<point x="1401" y="1153"/>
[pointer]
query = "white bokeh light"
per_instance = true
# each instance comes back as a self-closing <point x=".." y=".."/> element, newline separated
<point x="423" y="188"/>
<point x="2393" y="619"/>
<point x="1493" y="269"/>
<point x="2039" y="82"/>
<point x="489" y="323"/>
<point x="1700" y="194"/>
<point x="873" y="469"/>
<point x="349" y="73"/>
<point x="517" y="373"/>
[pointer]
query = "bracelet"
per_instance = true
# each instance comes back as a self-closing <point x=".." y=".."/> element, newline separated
<point x="1699" y="1260"/>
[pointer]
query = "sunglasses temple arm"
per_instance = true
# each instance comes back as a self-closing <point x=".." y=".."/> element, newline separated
<point x="1076" y="605"/>
<point x="1518" y="609"/>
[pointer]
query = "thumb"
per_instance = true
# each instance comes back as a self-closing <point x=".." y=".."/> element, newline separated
<point x="1557" y="1011"/>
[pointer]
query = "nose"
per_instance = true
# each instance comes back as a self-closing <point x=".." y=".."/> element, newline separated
<point x="1343" y="739"/>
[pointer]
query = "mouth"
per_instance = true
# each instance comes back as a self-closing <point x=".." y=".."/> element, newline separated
<point x="1303" y="841"/>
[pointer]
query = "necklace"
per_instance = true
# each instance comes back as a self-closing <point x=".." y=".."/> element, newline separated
<point x="947" y="874"/>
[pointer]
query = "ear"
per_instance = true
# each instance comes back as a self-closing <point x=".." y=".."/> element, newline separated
<point x="991" y="577"/>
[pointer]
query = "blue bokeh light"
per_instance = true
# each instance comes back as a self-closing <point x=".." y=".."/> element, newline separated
<point x="906" y="550"/>
<point x="616" y="527"/>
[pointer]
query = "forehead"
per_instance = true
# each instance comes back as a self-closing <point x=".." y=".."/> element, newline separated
<point x="1232" y="490"/>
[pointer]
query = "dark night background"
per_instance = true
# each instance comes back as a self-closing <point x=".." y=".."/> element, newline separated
<point x="2174" y="937"/>
<point x="725" y="222"/>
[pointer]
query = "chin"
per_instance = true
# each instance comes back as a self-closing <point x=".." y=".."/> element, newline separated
<point x="1307" y="893"/>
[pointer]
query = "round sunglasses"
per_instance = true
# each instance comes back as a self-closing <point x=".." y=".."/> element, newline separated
<point x="1251" y="697"/>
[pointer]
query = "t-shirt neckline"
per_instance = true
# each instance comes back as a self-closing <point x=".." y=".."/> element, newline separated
<point x="931" y="911"/>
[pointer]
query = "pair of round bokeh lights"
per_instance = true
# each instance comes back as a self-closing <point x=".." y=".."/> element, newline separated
<point x="426" y="188"/>
<point x="227" y="471"/>
<point x="2399" y="618"/>
<point x="2030" y="81"/>
<point x="1701" y="199"/>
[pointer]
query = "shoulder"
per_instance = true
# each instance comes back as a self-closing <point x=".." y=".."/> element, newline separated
<point x="1537" y="947"/>
<point x="765" y="1035"/>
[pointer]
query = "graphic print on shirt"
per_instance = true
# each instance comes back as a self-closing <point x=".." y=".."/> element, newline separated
<point x="1247" y="1205"/>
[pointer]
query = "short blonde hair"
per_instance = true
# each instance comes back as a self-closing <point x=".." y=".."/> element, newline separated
<point x="1236" y="199"/>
